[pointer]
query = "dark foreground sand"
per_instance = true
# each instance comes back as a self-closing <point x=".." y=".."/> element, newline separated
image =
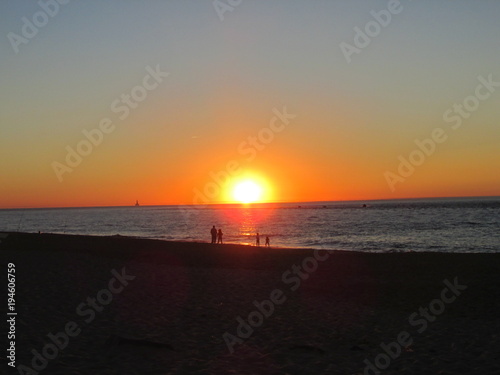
<point x="171" y="318"/>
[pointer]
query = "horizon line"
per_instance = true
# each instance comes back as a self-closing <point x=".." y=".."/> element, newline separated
<point x="256" y="203"/>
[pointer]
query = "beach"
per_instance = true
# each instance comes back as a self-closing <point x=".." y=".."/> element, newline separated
<point x="120" y="305"/>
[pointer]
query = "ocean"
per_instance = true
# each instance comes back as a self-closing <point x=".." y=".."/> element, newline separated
<point x="437" y="225"/>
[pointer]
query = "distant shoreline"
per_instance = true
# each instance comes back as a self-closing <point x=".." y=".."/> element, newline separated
<point x="264" y="204"/>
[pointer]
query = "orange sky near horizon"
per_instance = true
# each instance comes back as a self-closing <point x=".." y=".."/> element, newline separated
<point x="296" y="165"/>
<point x="284" y="178"/>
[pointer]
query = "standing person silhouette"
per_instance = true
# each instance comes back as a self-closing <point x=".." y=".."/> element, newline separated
<point x="257" y="239"/>
<point x="268" y="243"/>
<point x="213" y="231"/>
<point x="219" y="236"/>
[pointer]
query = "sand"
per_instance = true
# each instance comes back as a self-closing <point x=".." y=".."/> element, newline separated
<point x="176" y="306"/>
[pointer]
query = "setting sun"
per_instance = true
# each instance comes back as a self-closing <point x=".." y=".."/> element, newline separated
<point x="247" y="192"/>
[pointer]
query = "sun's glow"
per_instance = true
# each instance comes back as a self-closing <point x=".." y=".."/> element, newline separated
<point x="247" y="191"/>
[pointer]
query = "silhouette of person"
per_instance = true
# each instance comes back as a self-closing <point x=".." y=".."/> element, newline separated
<point x="257" y="239"/>
<point x="214" y="234"/>
<point x="268" y="243"/>
<point x="219" y="236"/>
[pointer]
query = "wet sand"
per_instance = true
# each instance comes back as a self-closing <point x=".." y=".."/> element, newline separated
<point x="178" y="308"/>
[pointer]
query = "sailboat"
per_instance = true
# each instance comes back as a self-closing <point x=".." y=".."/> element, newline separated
<point x="137" y="203"/>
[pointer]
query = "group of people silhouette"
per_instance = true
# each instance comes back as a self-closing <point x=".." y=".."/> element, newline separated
<point x="217" y="237"/>
<point x="257" y="240"/>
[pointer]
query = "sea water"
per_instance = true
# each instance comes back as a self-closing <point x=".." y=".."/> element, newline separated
<point x="442" y="225"/>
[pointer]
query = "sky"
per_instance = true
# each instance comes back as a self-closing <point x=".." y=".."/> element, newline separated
<point x="311" y="100"/>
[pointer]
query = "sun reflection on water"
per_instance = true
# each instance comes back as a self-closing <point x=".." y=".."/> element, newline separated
<point x="249" y="220"/>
